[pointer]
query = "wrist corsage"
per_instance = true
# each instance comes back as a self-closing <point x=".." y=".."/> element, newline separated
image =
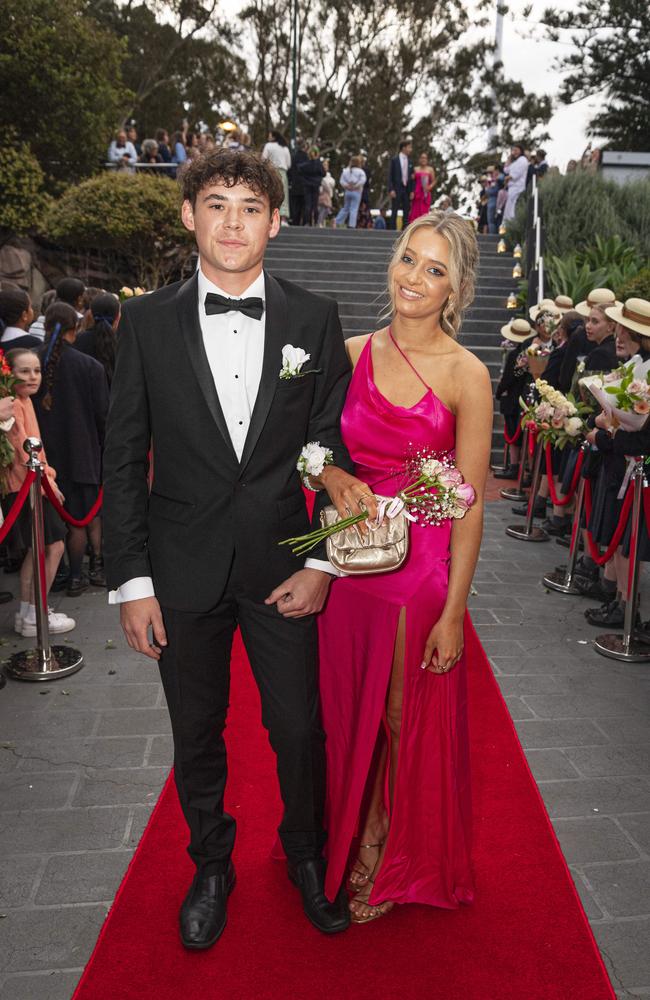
<point x="312" y="460"/>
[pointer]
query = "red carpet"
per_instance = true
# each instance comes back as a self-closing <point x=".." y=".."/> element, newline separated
<point x="525" y="938"/>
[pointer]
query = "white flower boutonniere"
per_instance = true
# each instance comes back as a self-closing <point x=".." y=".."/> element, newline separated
<point x="293" y="358"/>
<point x="312" y="460"/>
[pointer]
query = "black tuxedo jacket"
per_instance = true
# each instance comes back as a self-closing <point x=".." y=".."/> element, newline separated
<point x="395" y="182"/>
<point x="205" y="505"/>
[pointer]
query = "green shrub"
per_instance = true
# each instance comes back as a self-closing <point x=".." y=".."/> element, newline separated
<point x="579" y="207"/>
<point x="637" y="288"/>
<point x="131" y="217"/>
<point x="22" y="200"/>
<point x="572" y="276"/>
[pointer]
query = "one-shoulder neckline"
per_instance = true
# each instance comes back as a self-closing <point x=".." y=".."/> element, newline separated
<point x="396" y="406"/>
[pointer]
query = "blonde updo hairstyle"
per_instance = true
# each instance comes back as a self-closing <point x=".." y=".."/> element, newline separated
<point x="463" y="263"/>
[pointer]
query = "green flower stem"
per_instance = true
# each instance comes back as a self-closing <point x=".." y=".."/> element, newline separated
<point x="304" y="543"/>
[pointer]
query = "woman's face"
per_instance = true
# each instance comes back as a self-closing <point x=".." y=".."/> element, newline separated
<point x="559" y="335"/>
<point x="625" y="346"/>
<point x="543" y="332"/>
<point x="27" y="369"/>
<point x="424" y="160"/>
<point x="420" y="281"/>
<point x="598" y="327"/>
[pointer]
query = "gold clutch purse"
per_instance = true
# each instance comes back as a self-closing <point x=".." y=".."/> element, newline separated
<point x="379" y="550"/>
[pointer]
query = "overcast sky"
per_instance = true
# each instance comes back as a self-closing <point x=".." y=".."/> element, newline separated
<point x="530" y="60"/>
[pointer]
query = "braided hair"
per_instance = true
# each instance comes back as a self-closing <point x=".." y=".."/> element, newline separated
<point x="105" y="310"/>
<point x="60" y="318"/>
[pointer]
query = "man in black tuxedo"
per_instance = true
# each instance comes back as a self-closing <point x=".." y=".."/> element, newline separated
<point x="401" y="183"/>
<point x="198" y="379"/>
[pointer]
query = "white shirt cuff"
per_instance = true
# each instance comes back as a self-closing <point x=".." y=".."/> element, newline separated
<point x="133" y="590"/>
<point x="323" y="565"/>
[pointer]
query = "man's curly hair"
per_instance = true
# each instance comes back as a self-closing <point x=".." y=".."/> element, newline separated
<point x="230" y="167"/>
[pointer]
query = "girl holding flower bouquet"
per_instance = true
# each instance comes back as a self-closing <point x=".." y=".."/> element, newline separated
<point x="25" y="367"/>
<point x="395" y="647"/>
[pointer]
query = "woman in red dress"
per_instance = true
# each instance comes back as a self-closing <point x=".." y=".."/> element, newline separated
<point x="425" y="181"/>
<point x="395" y="647"/>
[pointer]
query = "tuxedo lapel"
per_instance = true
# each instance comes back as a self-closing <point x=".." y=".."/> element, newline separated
<point x="276" y="335"/>
<point x="188" y="316"/>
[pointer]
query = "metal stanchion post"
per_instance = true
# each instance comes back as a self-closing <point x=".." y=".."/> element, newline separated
<point x="530" y="532"/>
<point x="46" y="662"/>
<point x="559" y="580"/>
<point x="516" y="493"/>
<point x="506" y="458"/>
<point x="626" y="647"/>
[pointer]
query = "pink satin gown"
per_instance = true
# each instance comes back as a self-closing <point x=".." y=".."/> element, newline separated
<point x="427" y="857"/>
<point x="422" y="198"/>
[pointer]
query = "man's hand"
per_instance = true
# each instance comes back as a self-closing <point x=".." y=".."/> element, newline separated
<point x="136" y="617"/>
<point x="348" y="494"/>
<point x="302" y="594"/>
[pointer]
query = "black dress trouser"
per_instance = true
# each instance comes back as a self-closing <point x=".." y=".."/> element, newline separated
<point x="195" y="671"/>
<point x="402" y="201"/>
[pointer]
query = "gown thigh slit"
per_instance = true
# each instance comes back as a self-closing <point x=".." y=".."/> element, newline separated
<point x="427" y="853"/>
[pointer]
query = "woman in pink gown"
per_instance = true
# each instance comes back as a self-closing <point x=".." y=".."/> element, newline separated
<point x="395" y="647"/>
<point x="425" y="181"/>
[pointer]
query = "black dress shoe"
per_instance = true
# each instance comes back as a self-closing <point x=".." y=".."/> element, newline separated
<point x="557" y="526"/>
<point x="510" y="472"/>
<point x="6" y="596"/>
<point x="539" y="509"/>
<point x="203" y="913"/>
<point x="76" y="585"/>
<point x="309" y="877"/>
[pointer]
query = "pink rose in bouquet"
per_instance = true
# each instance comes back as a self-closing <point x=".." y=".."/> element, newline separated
<point x="450" y="477"/>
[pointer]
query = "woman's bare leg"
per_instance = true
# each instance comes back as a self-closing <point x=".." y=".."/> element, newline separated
<point x="376" y="819"/>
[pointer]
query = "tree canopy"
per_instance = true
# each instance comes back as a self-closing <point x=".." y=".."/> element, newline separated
<point x="610" y="57"/>
<point x="60" y="79"/>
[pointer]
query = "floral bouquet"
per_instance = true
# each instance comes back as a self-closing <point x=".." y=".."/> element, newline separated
<point x="7" y="383"/>
<point x="556" y="418"/>
<point x="126" y="292"/>
<point x="624" y="392"/>
<point x="435" y="492"/>
<point x="537" y="356"/>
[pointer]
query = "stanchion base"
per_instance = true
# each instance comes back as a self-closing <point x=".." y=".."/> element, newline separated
<point x="27" y="665"/>
<point x="534" y="535"/>
<point x="510" y="493"/>
<point x="614" y="646"/>
<point x="556" y="581"/>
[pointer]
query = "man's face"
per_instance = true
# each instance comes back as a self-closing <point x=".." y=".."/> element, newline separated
<point x="232" y="226"/>
<point x="408" y="150"/>
<point x="121" y="138"/>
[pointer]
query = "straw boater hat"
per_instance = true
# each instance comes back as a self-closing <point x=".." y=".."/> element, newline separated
<point x="634" y="315"/>
<point x="563" y="303"/>
<point x="546" y="305"/>
<point x="517" y="331"/>
<point x="597" y="297"/>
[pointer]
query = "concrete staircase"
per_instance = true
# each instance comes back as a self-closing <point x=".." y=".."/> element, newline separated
<point x="351" y="267"/>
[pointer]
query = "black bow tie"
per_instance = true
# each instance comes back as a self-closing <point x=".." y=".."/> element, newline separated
<point x="215" y="304"/>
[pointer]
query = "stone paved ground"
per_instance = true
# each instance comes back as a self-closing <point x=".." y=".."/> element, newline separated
<point x="82" y="761"/>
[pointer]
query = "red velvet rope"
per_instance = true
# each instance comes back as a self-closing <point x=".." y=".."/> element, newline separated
<point x="620" y="528"/>
<point x="532" y="440"/>
<point x="646" y="508"/>
<point x="515" y="437"/>
<point x="17" y="506"/>
<point x="555" y="499"/>
<point x="62" y="512"/>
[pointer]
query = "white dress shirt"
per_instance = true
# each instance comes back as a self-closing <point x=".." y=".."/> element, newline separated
<point x="404" y="164"/>
<point x="234" y="344"/>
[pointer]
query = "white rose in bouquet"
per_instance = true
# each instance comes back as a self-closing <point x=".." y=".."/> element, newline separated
<point x="573" y="426"/>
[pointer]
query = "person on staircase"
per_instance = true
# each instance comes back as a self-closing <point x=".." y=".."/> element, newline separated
<point x="72" y="406"/>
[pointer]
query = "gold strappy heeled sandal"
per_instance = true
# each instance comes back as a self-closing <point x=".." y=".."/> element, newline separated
<point x="376" y="911"/>
<point x="363" y="877"/>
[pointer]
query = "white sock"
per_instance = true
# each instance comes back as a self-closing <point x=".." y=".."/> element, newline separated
<point x="24" y="608"/>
